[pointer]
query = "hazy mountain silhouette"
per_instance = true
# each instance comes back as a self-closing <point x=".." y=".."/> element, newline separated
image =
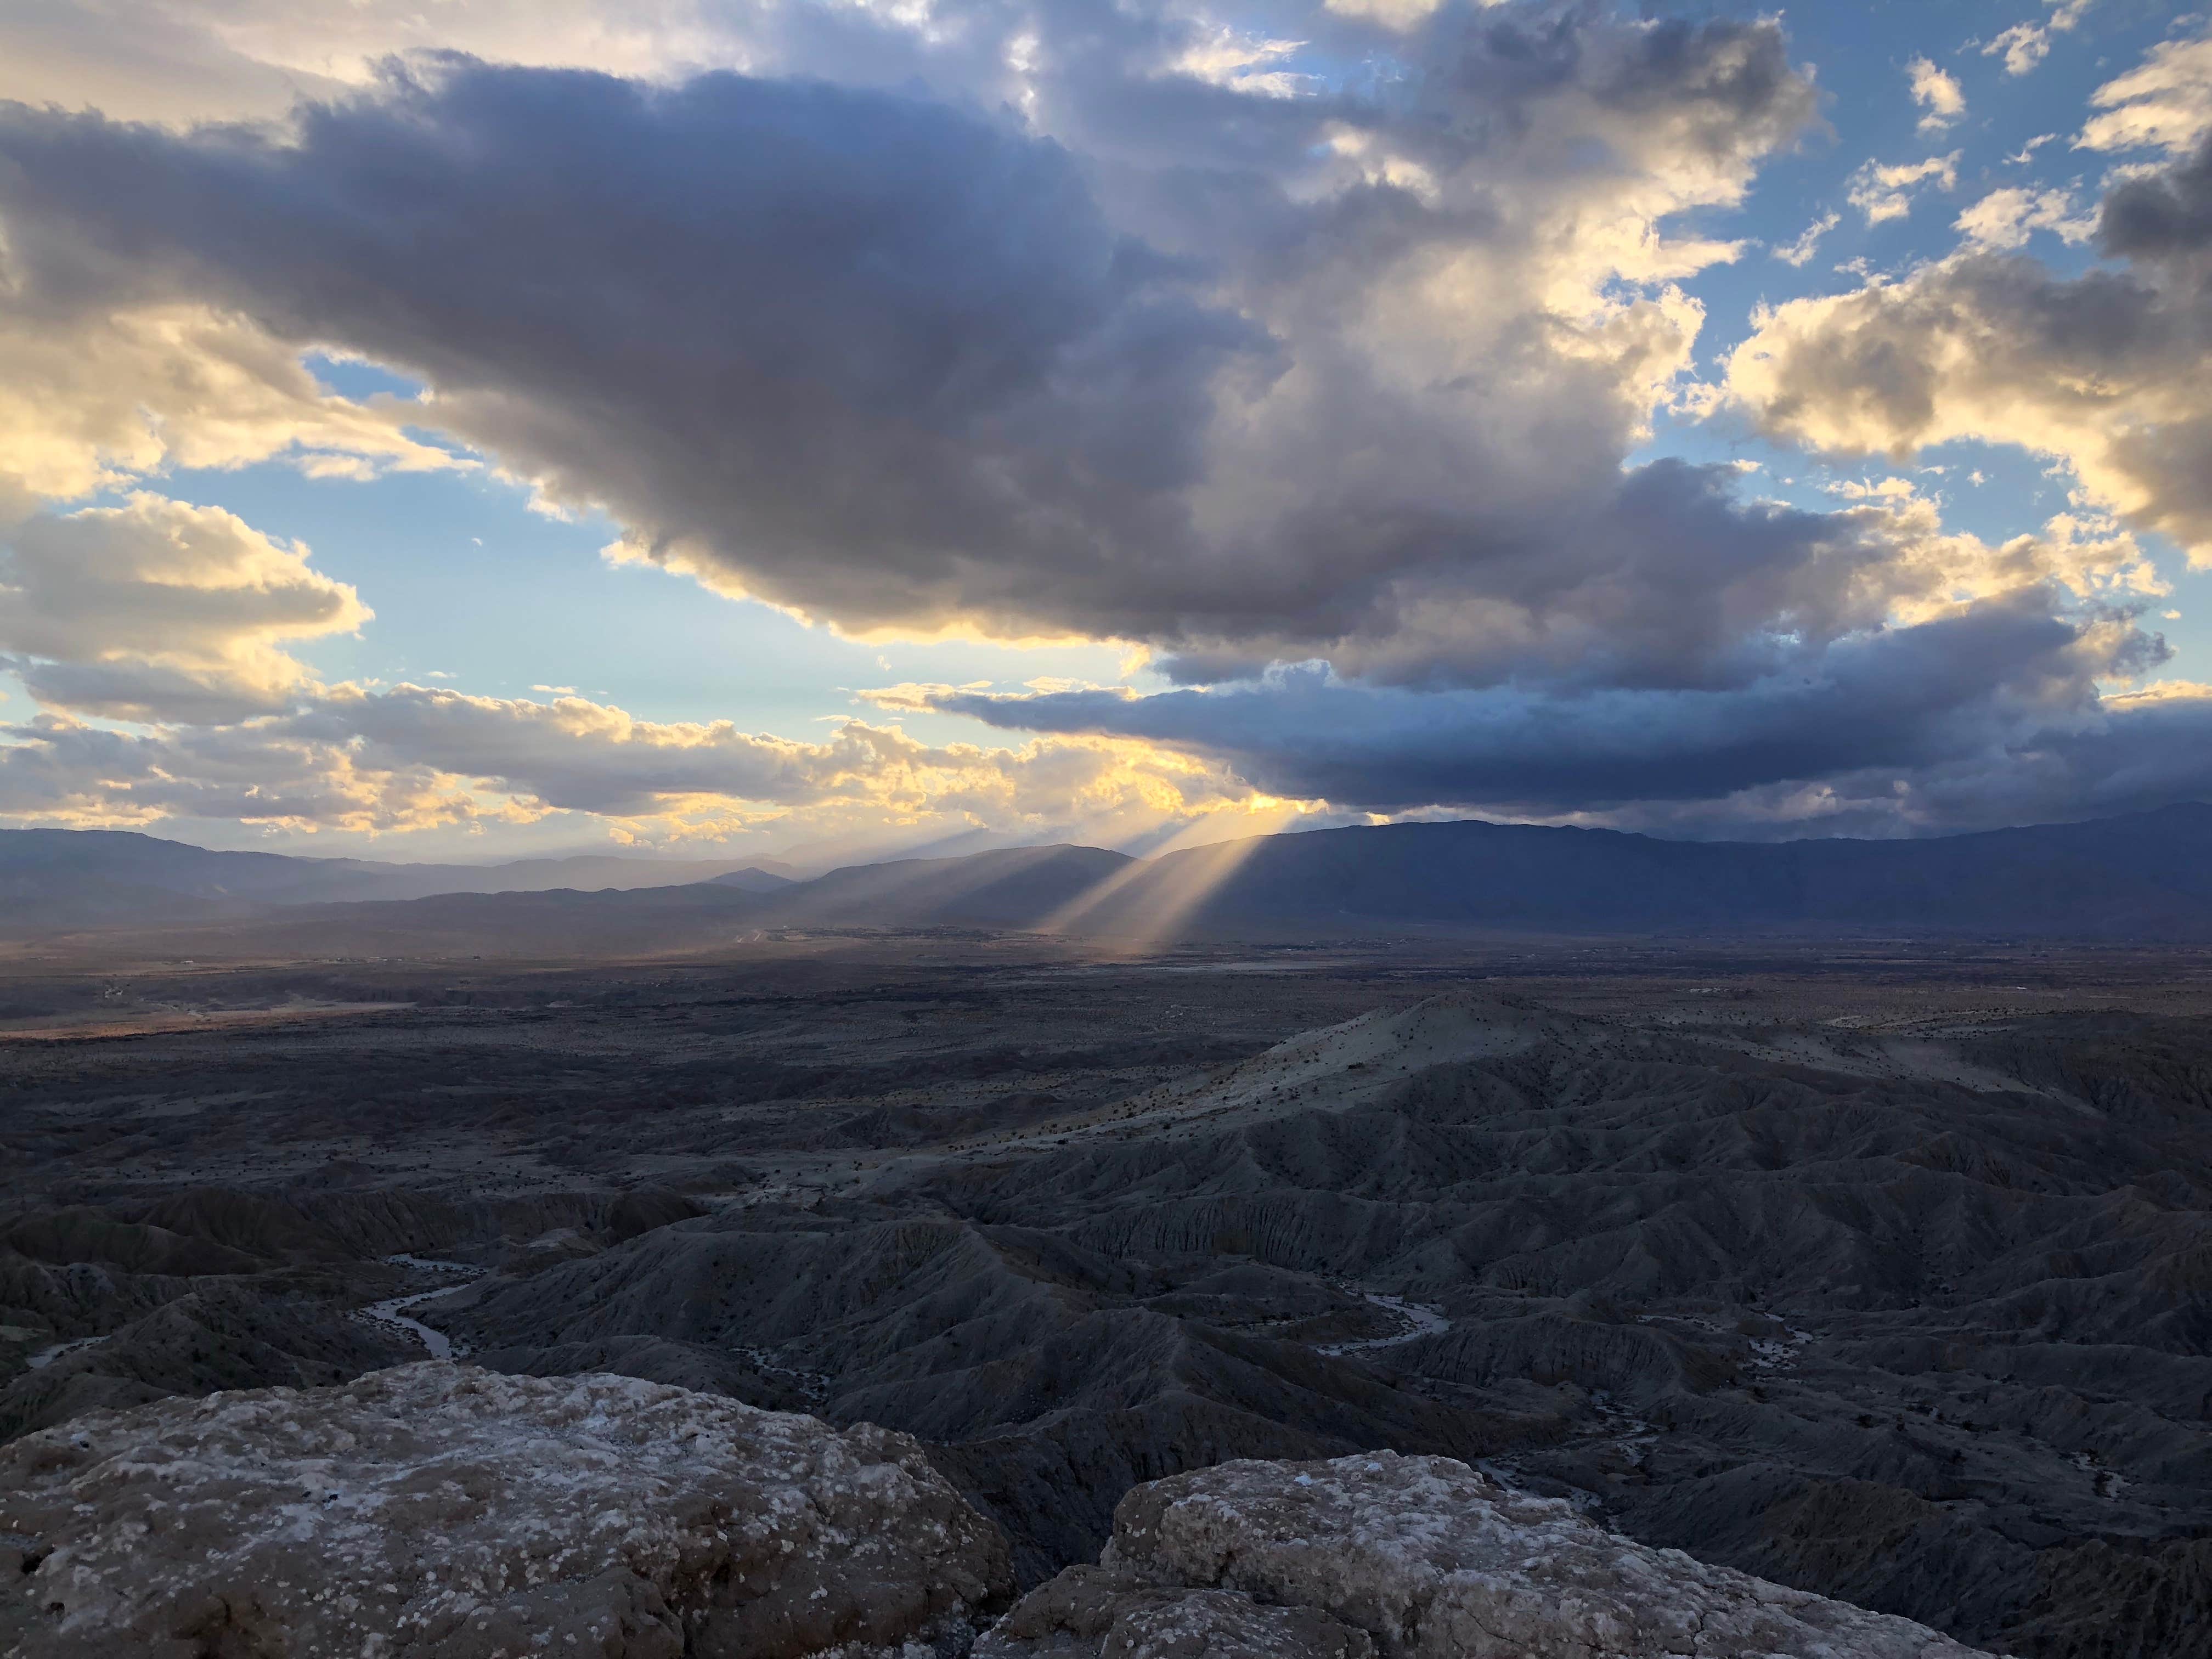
<point x="2146" y="876"/>
<point x="77" y="878"/>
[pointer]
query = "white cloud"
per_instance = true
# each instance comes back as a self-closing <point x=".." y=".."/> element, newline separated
<point x="1800" y="251"/>
<point x="2104" y="377"/>
<point x="1242" y="62"/>
<point x="2004" y="218"/>
<point x="59" y="771"/>
<point x="417" y="758"/>
<point x="1935" y="91"/>
<point x="2164" y="104"/>
<point x="1883" y="193"/>
<point x="2024" y="45"/>
<point x="92" y="399"/>
<point x="157" y="609"/>
<point x="1963" y="351"/>
<point x="1393" y="13"/>
<point x="158" y="60"/>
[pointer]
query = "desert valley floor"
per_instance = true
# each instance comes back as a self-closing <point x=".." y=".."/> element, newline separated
<point x="1880" y="1270"/>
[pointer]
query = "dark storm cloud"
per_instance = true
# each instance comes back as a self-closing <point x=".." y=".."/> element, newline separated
<point x="2164" y="216"/>
<point x="894" y="362"/>
<point x="781" y="319"/>
<point x="2002" y="676"/>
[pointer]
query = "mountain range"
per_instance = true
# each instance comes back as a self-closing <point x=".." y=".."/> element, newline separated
<point x="2143" y="876"/>
<point x="77" y="878"/>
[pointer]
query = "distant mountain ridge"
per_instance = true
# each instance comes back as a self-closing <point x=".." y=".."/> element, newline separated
<point x="2144" y="877"/>
<point x="79" y="877"/>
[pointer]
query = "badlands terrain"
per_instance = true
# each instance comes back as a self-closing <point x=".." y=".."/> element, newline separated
<point x="1881" y="1272"/>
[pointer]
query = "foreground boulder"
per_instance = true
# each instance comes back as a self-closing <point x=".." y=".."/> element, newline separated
<point x="1384" y="1556"/>
<point x="437" y="1511"/>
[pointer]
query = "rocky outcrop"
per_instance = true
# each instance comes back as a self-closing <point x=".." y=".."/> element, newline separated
<point x="437" y="1511"/>
<point x="1411" y="1557"/>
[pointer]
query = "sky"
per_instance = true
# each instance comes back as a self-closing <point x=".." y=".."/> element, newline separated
<point x="825" y="429"/>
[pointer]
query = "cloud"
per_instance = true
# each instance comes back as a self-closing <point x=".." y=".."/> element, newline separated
<point x="1317" y="389"/>
<point x="92" y="398"/>
<point x="2001" y="676"/>
<point x="2105" y="372"/>
<point x="157" y="609"/>
<point x="2163" y="222"/>
<point x="1935" y="91"/>
<point x="2003" y="218"/>
<point x="570" y="753"/>
<point x="146" y="58"/>
<point x="1800" y="251"/>
<point x="576" y="754"/>
<point x="1959" y="653"/>
<point x="802" y="318"/>
<point x="2024" y="45"/>
<point x="1883" y="193"/>
<point x="59" y="771"/>
<point x="1231" y="388"/>
<point x="156" y="60"/>
<point x="1395" y="14"/>
<point x="1986" y="714"/>
<point x="2166" y="104"/>
<point x="1240" y="62"/>
<point x="417" y="757"/>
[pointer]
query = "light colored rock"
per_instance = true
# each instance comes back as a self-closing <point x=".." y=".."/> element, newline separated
<point x="1098" y="1612"/>
<point x="438" y="1511"/>
<point x="1429" y="1560"/>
